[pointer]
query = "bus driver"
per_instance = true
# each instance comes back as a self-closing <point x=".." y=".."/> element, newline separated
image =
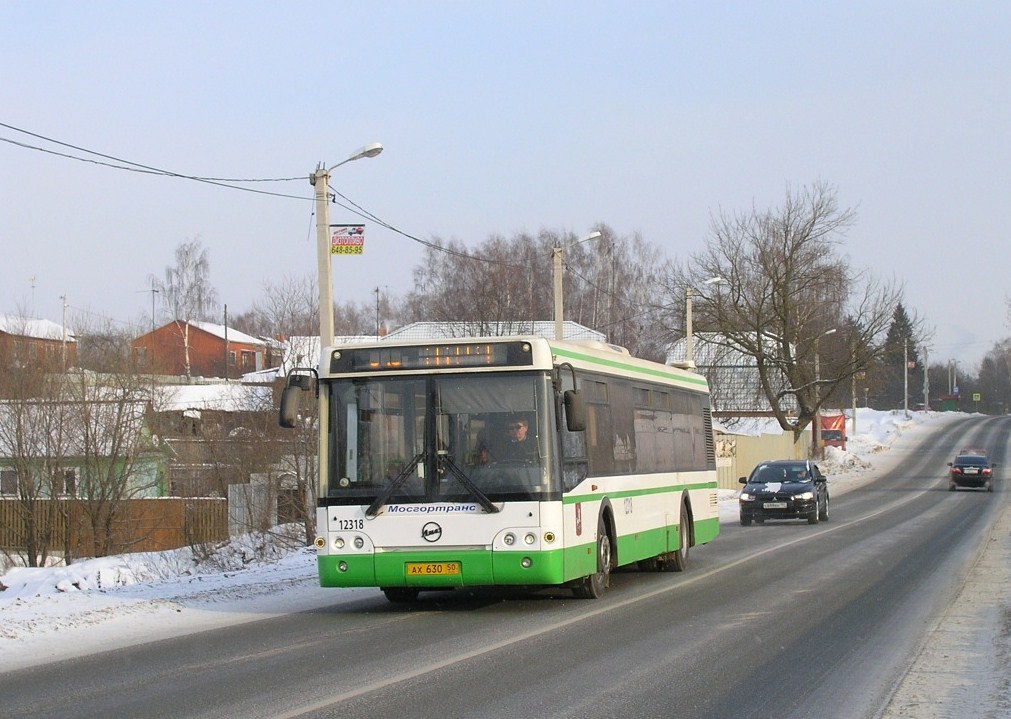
<point x="519" y="445"/>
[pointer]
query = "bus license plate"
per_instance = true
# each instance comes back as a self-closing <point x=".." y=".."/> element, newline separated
<point x="774" y="505"/>
<point x="433" y="569"/>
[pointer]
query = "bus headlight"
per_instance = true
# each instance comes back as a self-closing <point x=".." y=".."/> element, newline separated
<point x="509" y="539"/>
<point x="359" y="542"/>
<point x="338" y="542"/>
<point x="549" y="537"/>
<point x="320" y="542"/>
<point x="529" y="538"/>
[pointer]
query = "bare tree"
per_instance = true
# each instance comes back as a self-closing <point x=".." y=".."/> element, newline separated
<point x="116" y="459"/>
<point x="497" y="287"/>
<point x="186" y="292"/>
<point x="288" y="459"/>
<point x="33" y="429"/>
<point x="789" y="301"/>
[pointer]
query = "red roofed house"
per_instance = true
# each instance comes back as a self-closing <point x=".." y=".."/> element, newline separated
<point x="39" y="342"/>
<point x="214" y="351"/>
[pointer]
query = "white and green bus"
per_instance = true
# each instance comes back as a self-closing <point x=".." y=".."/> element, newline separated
<point x="422" y="488"/>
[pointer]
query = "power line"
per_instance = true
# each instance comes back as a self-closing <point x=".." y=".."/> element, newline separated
<point x="130" y="166"/>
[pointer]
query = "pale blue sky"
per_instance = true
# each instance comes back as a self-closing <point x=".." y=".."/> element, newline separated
<point x="499" y="118"/>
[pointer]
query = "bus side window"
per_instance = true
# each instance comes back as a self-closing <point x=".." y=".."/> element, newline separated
<point x="574" y="463"/>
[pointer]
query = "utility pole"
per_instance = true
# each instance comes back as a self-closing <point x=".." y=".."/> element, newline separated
<point x="226" y="341"/>
<point x="320" y="180"/>
<point x="64" y="350"/>
<point x="816" y="424"/>
<point x="853" y="392"/>
<point x="905" y="377"/>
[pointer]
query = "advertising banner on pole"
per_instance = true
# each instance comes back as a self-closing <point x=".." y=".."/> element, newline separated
<point x="347" y="239"/>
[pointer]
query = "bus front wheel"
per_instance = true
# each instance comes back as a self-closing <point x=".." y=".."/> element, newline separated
<point x="593" y="586"/>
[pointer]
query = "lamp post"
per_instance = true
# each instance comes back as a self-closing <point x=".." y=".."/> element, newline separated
<point x="816" y="426"/>
<point x="320" y="180"/>
<point x="689" y="338"/>
<point x="556" y="261"/>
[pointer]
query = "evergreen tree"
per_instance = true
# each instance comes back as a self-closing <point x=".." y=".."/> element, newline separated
<point x="900" y="348"/>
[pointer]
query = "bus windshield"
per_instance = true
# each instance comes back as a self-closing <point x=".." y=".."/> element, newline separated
<point x="480" y="437"/>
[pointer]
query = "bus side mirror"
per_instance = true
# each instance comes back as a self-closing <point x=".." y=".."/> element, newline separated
<point x="575" y="410"/>
<point x="291" y="397"/>
<point x="299" y="380"/>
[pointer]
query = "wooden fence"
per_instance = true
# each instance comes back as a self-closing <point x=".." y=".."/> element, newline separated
<point x="138" y="525"/>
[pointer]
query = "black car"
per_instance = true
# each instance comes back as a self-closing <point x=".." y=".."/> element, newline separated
<point x="785" y="489"/>
<point x="971" y="470"/>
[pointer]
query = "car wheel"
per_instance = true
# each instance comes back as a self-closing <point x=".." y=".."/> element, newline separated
<point x="812" y="518"/>
<point x="745" y="520"/>
<point x="759" y="520"/>
<point x="593" y="586"/>
<point x="989" y="486"/>
<point x="951" y="486"/>
<point x="823" y="514"/>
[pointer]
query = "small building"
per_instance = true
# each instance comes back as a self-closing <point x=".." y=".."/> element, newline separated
<point x="76" y="448"/>
<point x="214" y="351"/>
<point x="949" y="402"/>
<point x="44" y="343"/>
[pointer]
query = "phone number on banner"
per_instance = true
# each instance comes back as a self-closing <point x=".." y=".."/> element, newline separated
<point x="346" y="249"/>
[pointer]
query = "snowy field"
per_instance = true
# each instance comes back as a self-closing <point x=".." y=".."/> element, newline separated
<point x="62" y="612"/>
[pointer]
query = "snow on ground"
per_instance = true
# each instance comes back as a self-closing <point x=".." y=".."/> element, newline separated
<point x="61" y="612"/>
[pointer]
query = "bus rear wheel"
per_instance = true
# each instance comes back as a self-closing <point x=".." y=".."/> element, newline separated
<point x="593" y="586"/>
<point x="679" y="557"/>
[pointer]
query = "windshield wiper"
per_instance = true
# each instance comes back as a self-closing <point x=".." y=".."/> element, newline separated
<point x="374" y="508"/>
<point x="468" y="483"/>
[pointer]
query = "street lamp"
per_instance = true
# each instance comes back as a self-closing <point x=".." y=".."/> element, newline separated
<point x="689" y="339"/>
<point x="816" y="426"/>
<point x="556" y="261"/>
<point x="320" y="180"/>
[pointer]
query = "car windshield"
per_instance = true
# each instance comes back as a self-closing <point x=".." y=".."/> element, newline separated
<point x="781" y="473"/>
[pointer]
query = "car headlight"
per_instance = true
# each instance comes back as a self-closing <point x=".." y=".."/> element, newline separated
<point x="804" y="496"/>
<point x="746" y="497"/>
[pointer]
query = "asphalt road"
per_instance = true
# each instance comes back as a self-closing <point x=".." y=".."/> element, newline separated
<point x="779" y="620"/>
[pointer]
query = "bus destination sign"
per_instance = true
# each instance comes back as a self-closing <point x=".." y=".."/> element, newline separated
<point x="434" y="356"/>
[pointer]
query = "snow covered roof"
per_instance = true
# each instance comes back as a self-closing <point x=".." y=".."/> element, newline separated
<point x="224" y="397"/>
<point x="71" y="429"/>
<point x="36" y="329"/>
<point x="233" y="334"/>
